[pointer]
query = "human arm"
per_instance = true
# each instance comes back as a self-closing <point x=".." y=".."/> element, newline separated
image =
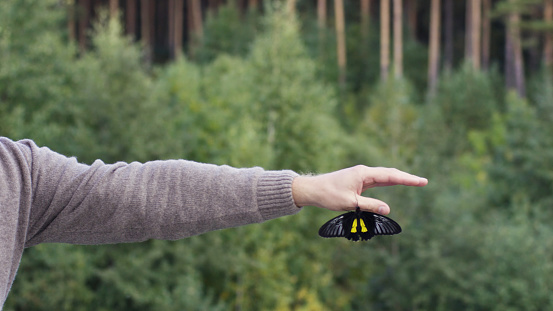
<point x="341" y="190"/>
<point x="61" y="200"/>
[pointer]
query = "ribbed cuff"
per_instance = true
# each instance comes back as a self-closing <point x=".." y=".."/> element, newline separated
<point x="274" y="194"/>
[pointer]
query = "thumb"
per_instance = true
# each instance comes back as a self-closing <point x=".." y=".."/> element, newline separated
<point x="373" y="205"/>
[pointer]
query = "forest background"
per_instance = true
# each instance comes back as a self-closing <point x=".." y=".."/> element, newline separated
<point x="461" y="94"/>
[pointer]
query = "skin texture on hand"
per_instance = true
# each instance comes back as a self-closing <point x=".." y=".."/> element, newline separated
<point x="341" y="190"/>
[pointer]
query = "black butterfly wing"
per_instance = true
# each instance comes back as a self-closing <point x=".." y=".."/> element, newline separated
<point x="384" y="225"/>
<point x="377" y="225"/>
<point x="359" y="225"/>
<point x="334" y="228"/>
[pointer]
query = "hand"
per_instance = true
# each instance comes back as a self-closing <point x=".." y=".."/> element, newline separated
<point x="341" y="190"/>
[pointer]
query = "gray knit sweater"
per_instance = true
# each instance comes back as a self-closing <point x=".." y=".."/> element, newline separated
<point x="46" y="197"/>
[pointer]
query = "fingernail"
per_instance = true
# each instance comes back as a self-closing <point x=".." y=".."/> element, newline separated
<point x="382" y="209"/>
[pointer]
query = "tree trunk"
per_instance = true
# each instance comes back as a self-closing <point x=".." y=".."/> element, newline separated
<point x="515" y="70"/>
<point x="213" y="5"/>
<point x="241" y="4"/>
<point x="321" y="14"/>
<point x="340" y="41"/>
<point x="195" y="26"/>
<point x="321" y="23"/>
<point x="468" y="30"/>
<point x="178" y="28"/>
<point x="476" y="30"/>
<point x="291" y="6"/>
<point x="384" y="38"/>
<point x="190" y="23"/>
<point x="83" y="24"/>
<point x="365" y="21"/>
<point x="398" y="38"/>
<point x="486" y="33"/>
<point x="548" y="42"/>
<point x="198" y="20"/>
<point x="130" y="17"/>
<point x="411" y="6"/>
<point x="509" y="68"/>
<point x="448" y="34"/>
<point x="253" y="5"/>
<point x="171" y="27"/>
<point x="519" y="62"/>
<point x="71" y="20"/>
<point x="146" y="29"/>
<point x="434" y="51"/>
<point x="113" y="8"/>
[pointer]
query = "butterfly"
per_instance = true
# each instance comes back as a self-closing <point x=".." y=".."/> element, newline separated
<point x="359" y="225"/>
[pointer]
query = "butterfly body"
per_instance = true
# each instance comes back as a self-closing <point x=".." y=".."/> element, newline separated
<point x="359" y="225"/>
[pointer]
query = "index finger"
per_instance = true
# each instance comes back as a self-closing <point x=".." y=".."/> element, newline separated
<point x="384" y="176"/>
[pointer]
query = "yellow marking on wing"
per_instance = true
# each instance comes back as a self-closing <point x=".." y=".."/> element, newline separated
<point x="363" y="227"/>
<point x="354" y="226"/>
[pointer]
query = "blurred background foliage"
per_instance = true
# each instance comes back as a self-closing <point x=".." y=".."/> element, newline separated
<point x="259" y="92"/>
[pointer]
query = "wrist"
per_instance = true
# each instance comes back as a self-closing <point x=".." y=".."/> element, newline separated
<point x="302" y="191"/>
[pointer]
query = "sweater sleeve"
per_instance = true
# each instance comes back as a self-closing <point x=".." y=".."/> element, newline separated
<point x="100" y="203"/>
